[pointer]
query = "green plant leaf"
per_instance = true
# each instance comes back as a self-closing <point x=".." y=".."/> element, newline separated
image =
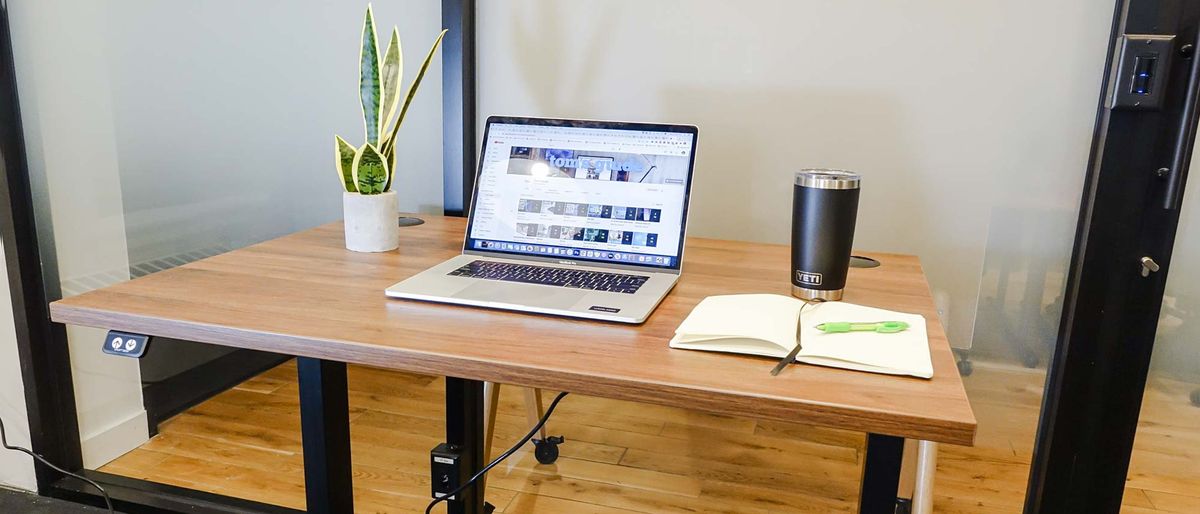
<point x="388" y="149"/>
<point x="368" y="78"/>
<point x="412" y="91"/>
<point x="393" y="66"/>
<point x="370" y="170"/>
<point x="344" y="153"/>
<point x="390" y="157"/>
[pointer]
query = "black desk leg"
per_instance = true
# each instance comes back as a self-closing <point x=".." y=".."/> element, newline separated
<point x="325" y="426"/>
<point x="464" y="429"/>
<point x="881" y="474"/>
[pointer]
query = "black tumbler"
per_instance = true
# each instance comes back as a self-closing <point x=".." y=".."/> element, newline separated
<point x="824" y="209"/>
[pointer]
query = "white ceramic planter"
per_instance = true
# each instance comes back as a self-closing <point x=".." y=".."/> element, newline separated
<point x="371" y="221"/>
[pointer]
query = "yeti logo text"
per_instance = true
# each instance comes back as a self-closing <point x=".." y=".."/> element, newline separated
<point x="808" y="279"/>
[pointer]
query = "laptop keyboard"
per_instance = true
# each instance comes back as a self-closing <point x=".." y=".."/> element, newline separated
<point x="545" y="275"/>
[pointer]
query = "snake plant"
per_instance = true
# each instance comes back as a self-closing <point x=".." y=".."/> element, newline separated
<point x="369" y="169"/>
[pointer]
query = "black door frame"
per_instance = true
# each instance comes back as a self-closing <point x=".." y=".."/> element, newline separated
<point x="1129" y="210"/>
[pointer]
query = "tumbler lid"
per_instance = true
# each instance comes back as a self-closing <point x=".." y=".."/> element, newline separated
<point x="821" y="178"/>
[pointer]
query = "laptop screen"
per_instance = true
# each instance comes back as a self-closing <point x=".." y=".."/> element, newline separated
<point x="583" y="191"/>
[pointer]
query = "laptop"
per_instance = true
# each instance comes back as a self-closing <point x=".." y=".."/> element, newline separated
<point x="574" y="218"/>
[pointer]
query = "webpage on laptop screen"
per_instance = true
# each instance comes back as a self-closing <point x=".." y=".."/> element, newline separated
<point x="583" y="193"/>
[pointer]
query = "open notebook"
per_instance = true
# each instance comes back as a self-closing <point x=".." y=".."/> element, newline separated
<point x="765" y="324"/>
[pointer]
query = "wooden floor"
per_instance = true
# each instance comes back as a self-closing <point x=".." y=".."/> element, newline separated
<point x="623" y="457"/>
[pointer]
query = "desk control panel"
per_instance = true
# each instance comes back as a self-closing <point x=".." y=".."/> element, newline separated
<point x="125" y="344"/>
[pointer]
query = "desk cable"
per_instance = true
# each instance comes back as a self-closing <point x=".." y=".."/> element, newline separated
<point x="39" y="458"/>
<point x="505" y="455"/>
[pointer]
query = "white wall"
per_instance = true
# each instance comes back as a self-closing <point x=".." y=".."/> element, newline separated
<point x="16" y="469"/>
<point x="956" y="113"/>
<point x="224" y="124"/>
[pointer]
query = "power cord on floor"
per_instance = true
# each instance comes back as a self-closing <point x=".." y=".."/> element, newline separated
<point x="505" y="455"/>
<point x="39" y="458"/>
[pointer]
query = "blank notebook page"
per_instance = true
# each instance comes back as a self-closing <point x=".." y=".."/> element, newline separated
<point x="769" y="317"/>
<point x="904" y="352"/>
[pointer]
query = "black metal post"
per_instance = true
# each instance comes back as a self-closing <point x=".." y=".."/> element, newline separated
<point x="464" y="429"/>
<point x="458" y="105"/>
<point x="881" y="474"/>
<point x="1127" y="220"/>
<point x="325" y="425"/>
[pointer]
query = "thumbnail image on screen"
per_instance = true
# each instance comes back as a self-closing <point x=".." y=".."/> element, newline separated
<point x="594" y="235"/>
<point x="611" y="212"/>
<point x="595" y="165"/>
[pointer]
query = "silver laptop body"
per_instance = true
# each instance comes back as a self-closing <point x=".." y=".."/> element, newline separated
<point x="569" y="217"/>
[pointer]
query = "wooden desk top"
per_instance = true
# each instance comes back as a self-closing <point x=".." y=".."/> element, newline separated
<point x="305" y="295"/>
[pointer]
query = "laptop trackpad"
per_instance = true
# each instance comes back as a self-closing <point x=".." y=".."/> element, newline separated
<point x="522" y="294"/>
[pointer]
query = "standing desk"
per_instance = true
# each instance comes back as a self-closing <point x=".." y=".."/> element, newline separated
<point x="305" y="295"/>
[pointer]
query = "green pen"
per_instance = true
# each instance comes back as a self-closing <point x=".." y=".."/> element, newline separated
<point x="882" y="327"/>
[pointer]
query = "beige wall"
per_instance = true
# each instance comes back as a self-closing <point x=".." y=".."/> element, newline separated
<point x="957" y="113"/>
<point x="16" y="469"/>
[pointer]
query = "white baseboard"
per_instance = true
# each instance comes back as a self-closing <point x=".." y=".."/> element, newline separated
<point x="103" y="447"/>
<point x="17" y="473"/>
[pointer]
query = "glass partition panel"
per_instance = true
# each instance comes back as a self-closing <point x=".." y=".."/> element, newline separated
<point x="159" y="133"/>
<point x="1164" y="470"/>
<point x="163" y="132"/>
